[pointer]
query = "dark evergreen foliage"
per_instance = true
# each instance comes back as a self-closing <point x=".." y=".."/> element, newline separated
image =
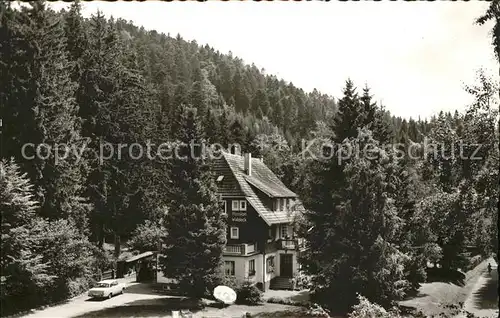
<point x="372" y="223"/>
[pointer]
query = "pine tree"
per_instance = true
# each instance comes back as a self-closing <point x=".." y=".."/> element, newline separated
<point x="237" y="133"/>
<point x="369" y="108"/>
<point x="350" y="115"/>
<point x="18" y="207"/>
<point x="40" y="259"/>
<point x="260" y="103"/>
<point x="353" y="226"/>
<point x="115" y="107"/>
<point x="382" y="128"/>
<point x="198" y="98"/>
<point x="195" y="223"/>
<point x="16" y="197"/>
<point x="181" y="98"/>
<point x="77" y="41"/>
<point x="40" y="107"/>
<point x="278" y="115"/>
<point x="241" y="99"/>
<point x="223" y="132"/>
<point x="211" y="127"/>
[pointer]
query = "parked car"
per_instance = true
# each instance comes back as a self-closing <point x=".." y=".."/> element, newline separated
<point x="107" y="289"/>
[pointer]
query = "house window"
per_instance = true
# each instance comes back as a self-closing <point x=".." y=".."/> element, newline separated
<point x="243" y="205"/>
<point x="251" y="267"/>
<point x="282" y="207"/>
<point x="270" y="234"/>
<point x="235" y="232"/>
<point x="225" y="207"/>
<point x="229" y="268"/>
<point x="270" y="265"/>
<point x="284" y="231"/>
<point x="277" y="205"/>
<point x="288" y="204"/>
<point x="235" y="206"/>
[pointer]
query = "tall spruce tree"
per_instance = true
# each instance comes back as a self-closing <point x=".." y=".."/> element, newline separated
<point x="76" y="35"/>
<point x="237" y="133"/>
<point x="39" y="105"/>
<point x="350" y="114"/>
<point x="115" y="108"/>
<point x="353" y="229"/>
<point x="369" y="108"/>
<point x="195" y="222"/>
<point x="40" y="260"/>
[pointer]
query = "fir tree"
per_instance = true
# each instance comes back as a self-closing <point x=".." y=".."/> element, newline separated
<point x="223" y="131"/>
<point x="116" y="110"/>
<point x="76" y="36"/>
<point x="382" y="129"/>
<point x="195" y="223"/>
<point x="350" y="115"/>
<point x="211" y="126"/>
<point x="260" y="103"/>
<point x="40" y="107"/>
<point x="353" y="229"/>
<point x="237" y="133"/>
<point x="369" y="108"/>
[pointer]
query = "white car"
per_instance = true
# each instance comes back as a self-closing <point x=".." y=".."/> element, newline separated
<point x="107" y="289"/>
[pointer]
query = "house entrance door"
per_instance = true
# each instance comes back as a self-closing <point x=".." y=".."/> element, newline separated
<point x="286" y="265"/>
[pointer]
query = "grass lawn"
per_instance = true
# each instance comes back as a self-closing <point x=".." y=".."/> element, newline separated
<point x="162" y="307"/>
<point x="261" y="311"/>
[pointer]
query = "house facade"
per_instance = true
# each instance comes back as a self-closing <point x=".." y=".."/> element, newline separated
<point x="261" y="243"/>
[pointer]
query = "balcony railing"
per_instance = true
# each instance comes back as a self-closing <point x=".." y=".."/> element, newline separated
<point x="240" y="249"/>
<point x="287" y="244"/>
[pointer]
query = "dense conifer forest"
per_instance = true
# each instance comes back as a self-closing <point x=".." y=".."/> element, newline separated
<point x="371" y="224"/>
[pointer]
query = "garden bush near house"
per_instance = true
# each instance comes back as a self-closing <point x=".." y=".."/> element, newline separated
<point x="302" y="281"/>
<point x="287" y="301"/>
<point x="248" y="294"/>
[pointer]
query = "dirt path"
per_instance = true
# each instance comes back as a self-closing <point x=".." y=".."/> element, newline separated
<point x="475" y="292"/>
<point x="482" y="301"/>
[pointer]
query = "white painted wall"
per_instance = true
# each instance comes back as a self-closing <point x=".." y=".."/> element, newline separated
<point x="242" y="266"/>
<point x="239" y="266"/>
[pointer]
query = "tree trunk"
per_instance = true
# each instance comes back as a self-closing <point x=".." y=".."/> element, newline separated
<point x="100" y="236"/>
<point x="117" y="245"/>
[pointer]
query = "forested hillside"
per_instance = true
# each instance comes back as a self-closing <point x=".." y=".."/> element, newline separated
<point x="83" y="83"/>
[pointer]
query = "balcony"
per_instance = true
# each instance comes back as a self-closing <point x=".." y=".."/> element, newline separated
<point x="287" y="244"/>
<point x="240" y="249"/>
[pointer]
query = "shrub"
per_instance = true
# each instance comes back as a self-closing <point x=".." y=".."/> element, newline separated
<point x="231" y="282"/>
<point x="302" y="281"/>
<point x="317" y="311"/>
<point x="78" y="285"/>
<point x="248" y="294"/>
<point x="365" y="308"/>
<point x="474" y="261"/>
<point x="287" y="301"/>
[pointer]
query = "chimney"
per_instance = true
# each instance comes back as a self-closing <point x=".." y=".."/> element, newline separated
<point x="248" y="164"/>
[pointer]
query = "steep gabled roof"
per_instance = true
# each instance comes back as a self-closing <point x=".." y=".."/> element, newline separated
<point x="262" y="177"/>
<point x="237" y="182"/>
<point x="229" y="186"/>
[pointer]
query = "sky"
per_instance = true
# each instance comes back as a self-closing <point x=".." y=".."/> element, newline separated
<point x="415" y="56"/>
